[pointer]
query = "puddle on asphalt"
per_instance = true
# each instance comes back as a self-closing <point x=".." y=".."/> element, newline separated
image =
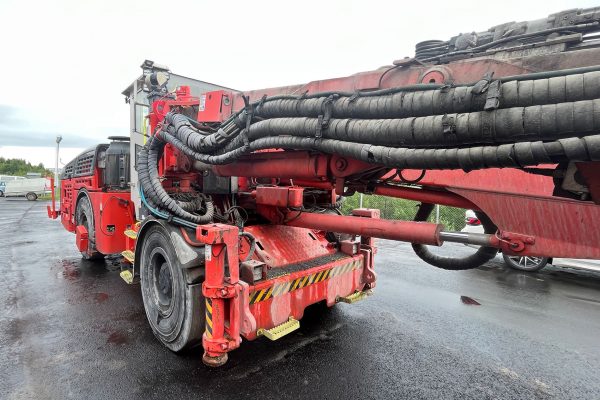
<point x="100" y="297"/>
<point x="469" y="301"/>
<point x="70" y="270"/>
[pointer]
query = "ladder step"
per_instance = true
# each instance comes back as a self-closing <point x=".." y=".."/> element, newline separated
<point x="280" y="330"/>
<point x="354" y="297"/>
<point x="127" y="276"/>
<point x="128" y="255"/>
<point x="130" y="233"/>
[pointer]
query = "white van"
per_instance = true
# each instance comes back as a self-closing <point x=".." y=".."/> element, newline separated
<point x="29" y="188"/>
<point x="6" y="178"/>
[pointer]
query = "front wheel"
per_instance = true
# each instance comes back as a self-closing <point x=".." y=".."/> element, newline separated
<point x="525" y="263"/>
<point x="31" y="196"/>
<point x="172" y="294"/>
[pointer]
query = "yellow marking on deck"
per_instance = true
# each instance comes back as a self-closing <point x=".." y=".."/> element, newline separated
<point x="279" y="289"/>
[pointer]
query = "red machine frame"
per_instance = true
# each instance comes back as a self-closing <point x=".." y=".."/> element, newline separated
<point x="531" y="220"/>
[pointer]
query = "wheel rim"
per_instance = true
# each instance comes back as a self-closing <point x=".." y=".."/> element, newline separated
<point x="161" y="282"/>
<point x="526" y="262"/>
<point x="163" y="297"/>
<point x="164" y="284"/>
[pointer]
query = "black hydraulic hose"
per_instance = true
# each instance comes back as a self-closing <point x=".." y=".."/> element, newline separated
<point x="442" y="100"/>
<point x="151" y="184"/>
<point x="470" y="158"/>
<point x="191" y="205"/>
<point x="549" y="74"/>
<point x="481" y="256"/>
<point x="233" y="152"/>
<point x="517" y="124"/>
<point x="514" y="155"/>
<point x="196" y="125"/>
<point x="252" y="242"/>
<point x="144" y="176"/>
<point x="179" y="126"/>
<point x="170" y="204"/>
<point x="414" y="100"/>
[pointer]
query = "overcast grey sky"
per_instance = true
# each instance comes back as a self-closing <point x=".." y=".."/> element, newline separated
<point x="65" y="62"/>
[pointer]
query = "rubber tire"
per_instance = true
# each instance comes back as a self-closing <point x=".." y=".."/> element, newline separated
<point x="178" y="321"/>
<point x="1" y="193"/>
<point x="515" y="265"/>
<point x="83" y="215"/>
<point x="31" y="196"/>
<point x="483" y="254"/>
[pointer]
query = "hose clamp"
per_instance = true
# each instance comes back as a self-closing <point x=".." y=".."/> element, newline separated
<point x="323" y="119"/>
<point x="492" y="100"/>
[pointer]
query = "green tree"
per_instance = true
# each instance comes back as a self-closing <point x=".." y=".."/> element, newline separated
<point x="19" y="167"/>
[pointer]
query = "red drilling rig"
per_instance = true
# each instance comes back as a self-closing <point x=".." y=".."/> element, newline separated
<point x="228" y="210"/>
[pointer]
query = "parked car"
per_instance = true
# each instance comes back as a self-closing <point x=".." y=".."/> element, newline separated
<point x="529" y="263"/>
<point x="28" y="188"/>
<point x="7" y="178"/>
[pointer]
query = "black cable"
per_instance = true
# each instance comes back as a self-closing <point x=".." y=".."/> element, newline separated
<point x="252" y="241"/>
<point x="384" y="74"/>
<point x="481" y="256"/>
<point x="512" y="38"/>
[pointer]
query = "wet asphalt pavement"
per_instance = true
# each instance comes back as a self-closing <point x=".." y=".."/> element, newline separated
<point x="73" y="329"/>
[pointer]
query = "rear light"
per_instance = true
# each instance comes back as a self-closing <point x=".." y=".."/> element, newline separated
<point x="473" y="221"/>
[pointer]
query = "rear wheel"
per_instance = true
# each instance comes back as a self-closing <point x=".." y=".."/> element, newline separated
<point x="525" y="263"/>
<point x="84" y="215"/>
<point x="31" y="196"/>
<point x="172" y="294"/>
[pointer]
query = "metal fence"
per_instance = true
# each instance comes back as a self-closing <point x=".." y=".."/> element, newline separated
<point x="392" y="208"/>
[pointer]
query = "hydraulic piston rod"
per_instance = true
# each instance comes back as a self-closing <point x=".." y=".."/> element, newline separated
<point x="479" y="239"/>
<point x="406" y="231"/>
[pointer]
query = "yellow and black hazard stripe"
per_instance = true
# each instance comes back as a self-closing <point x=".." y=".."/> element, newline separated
<point x="285" y="287"/>
<point x="209" y="321"/>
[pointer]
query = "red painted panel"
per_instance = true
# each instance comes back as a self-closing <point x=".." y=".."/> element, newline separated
<point x="113" y="214"/>
<point x="276" y="310"/>
<point x="560" y="227"/>
<point x="283" y="245"/>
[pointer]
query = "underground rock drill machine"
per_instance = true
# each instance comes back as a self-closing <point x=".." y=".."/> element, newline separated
<point x="228" y="209"/>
